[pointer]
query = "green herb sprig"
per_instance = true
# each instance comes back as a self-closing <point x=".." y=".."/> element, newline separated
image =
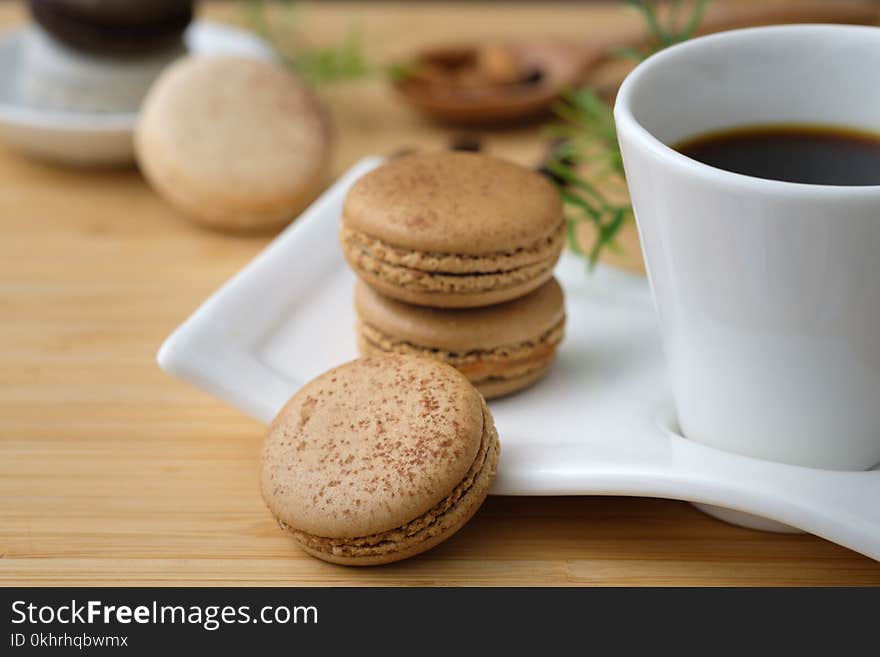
<point x="586" y="137"/>
<point x="341" y="62"/>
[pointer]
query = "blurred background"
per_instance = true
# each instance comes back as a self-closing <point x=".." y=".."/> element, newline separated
<point x="98" y="447"/>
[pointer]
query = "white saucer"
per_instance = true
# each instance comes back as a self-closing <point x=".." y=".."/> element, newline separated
<point x="600" y="423"/>
<point x="86" y="138"/>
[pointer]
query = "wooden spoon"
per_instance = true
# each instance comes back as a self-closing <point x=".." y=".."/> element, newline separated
<point x="503" y="82"/>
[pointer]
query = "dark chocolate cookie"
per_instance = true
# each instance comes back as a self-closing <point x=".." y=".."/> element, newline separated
<point x="124" y="27"/>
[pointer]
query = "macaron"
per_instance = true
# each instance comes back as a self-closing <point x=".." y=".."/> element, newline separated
<point x="501" y="348"/>
<point x="113" y="27"/>
<point x="379" y="459"/>
<point x="452" y="229"/>
<point x="233" y="143"/>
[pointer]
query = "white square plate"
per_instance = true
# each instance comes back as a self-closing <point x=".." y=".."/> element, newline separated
<point x="599" y="424"/>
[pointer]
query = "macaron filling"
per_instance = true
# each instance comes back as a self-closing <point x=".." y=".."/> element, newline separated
<point x="451" y="273"/>
<point x="438" y="519"/>
<point x="535" y="253"/>
<point x="478" y="365"/>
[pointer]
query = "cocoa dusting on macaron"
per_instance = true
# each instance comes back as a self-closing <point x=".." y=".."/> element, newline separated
<point x="379" y="459"/>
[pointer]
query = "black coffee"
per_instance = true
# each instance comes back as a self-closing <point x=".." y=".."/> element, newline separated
<point x="819" y="155"/>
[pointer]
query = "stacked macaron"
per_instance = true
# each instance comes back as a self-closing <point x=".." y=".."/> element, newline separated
<point x="386" y="456"/>
<point x="100" y="55"/>
<point x="455" y="254"/>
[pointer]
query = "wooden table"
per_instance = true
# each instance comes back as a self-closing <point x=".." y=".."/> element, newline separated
<point x="111" y="472"/>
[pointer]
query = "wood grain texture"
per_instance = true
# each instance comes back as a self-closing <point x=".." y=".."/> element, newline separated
<point x="113" y="473"/>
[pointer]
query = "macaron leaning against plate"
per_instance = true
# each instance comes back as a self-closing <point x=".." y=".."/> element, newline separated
<point x="500" y="348"/>
<point x="233" y="143"/>
<point x="379" y="459"/>
<point x="452" y="229"/>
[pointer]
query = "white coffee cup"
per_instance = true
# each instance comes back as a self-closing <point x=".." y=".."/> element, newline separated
<point x="767" y="292"/>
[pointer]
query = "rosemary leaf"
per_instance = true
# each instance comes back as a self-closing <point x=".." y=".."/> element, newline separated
<point x="589" y="210"/>
<point x="649" y="13"/>
<point x="628" y="52"/>
<point x="571" y="231"/>
<point x="694" y="21"/>
<point x="588" y="136"/>
<point x="340" y="62"/>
